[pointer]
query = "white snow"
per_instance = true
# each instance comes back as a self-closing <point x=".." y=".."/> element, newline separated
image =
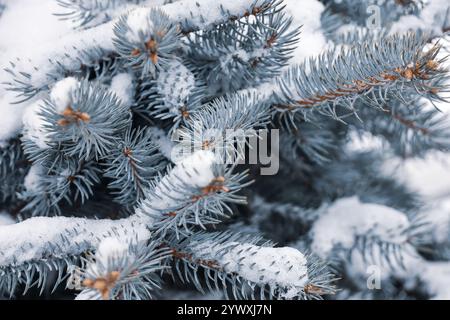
<point x="430" y="176"/>
<point x="33" y="125"/>
<point x="139" y="21"/>
<point x="201" y="14"/>
<point x="348" y="218"/>
<point x="406" y="23"/>
<point x="25" y="26"/>
<point x="165" y="145"/>
<point x="438" y="217"/>
<point x="31" y="182"/>
<point x="361" y="142"/>
<point x="110" y="248"/>
<point x="176" y="85"/>
<point x="430" y="19"/>
<point x="436" y="278"/>
<point x="39" y="237"/>
<point x="27" y="23"/>
<point x="6" y="219"/>
<point x="284" y="268"/>
<point x="61" y="93"/>
<point x="122" y="86"/>
<point x="196" y="168"/>
<point x="307" y="15"/>
<point x="11" y="119"/>
<point x="194" y="171"/>
<point x="234" y="53"/>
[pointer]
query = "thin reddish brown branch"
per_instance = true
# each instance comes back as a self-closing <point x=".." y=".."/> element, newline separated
<point x="208" y="263"/>
<point x="408" y="123"/>
<point x="361" y="86"/>
<point x="128" y="153"/>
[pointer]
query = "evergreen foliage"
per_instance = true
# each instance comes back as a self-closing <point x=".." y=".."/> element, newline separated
<point x="119" y="179"/>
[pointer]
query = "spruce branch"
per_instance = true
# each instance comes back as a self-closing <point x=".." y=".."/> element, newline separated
<point x="32" y="249"/>
<point x="243" y="52"/>
<point x="104" y="101"/>
<point x="95" y="61"/>
<point x="35" y="274"/>
<point x="194" y="193"/>
<point x="11" y="156"/>
<point x="88" y="124"/>
<point x="367" y="72"/>
<point x="317" y="142"/>
<point x="383" y="244"/>
<point x="95" y="46"/>
<point x="39" y="238"/>
<point x="151" y="45"/>
<point x="411" y="129"/>
<point x="246" y="267"/>
<point x="132" y="165"/>
<point x="46" y="190"/>
<point x="125" y="271"/>
<point x="174" y="94"/>
<point x="88" y="14"/>
<point x="218" y="125"/>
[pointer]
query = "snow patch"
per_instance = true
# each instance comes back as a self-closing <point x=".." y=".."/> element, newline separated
<point x="307" y="15"/>
<point x="285" y="267"/>
<point x="201" y="14"/>
<point x="348" y="218"/>
<point x="430" y="175"/>
<point x="361" y="142"/>
<point x="62" y="236"/>
<point x="194" y="171"/>
<point x="33" y="125"/>
<point x="436" y="276"/>
<point x="61" y="94"/>
<point x="6" y="219"/>
<point x="122" y="86"/>
<point x="175" y="85"/>
<point x="110" y="248"/>
<point x="139" y="21"/>
<point x="31" y="182"/>
<point x="160" y="138"/>
<point x="438" y="218"/>
<point x="11" y="119"/>
<point x="431" y="19"/>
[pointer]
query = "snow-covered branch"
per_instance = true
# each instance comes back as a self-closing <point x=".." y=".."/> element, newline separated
<point x="285" y="272"/>
<point x="40" y="238"/>
<point x="380" y="233"/>
<point x="87" y="47"/>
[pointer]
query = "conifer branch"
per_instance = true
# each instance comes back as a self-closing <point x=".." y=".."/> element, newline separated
<point x="391" y="66"/>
